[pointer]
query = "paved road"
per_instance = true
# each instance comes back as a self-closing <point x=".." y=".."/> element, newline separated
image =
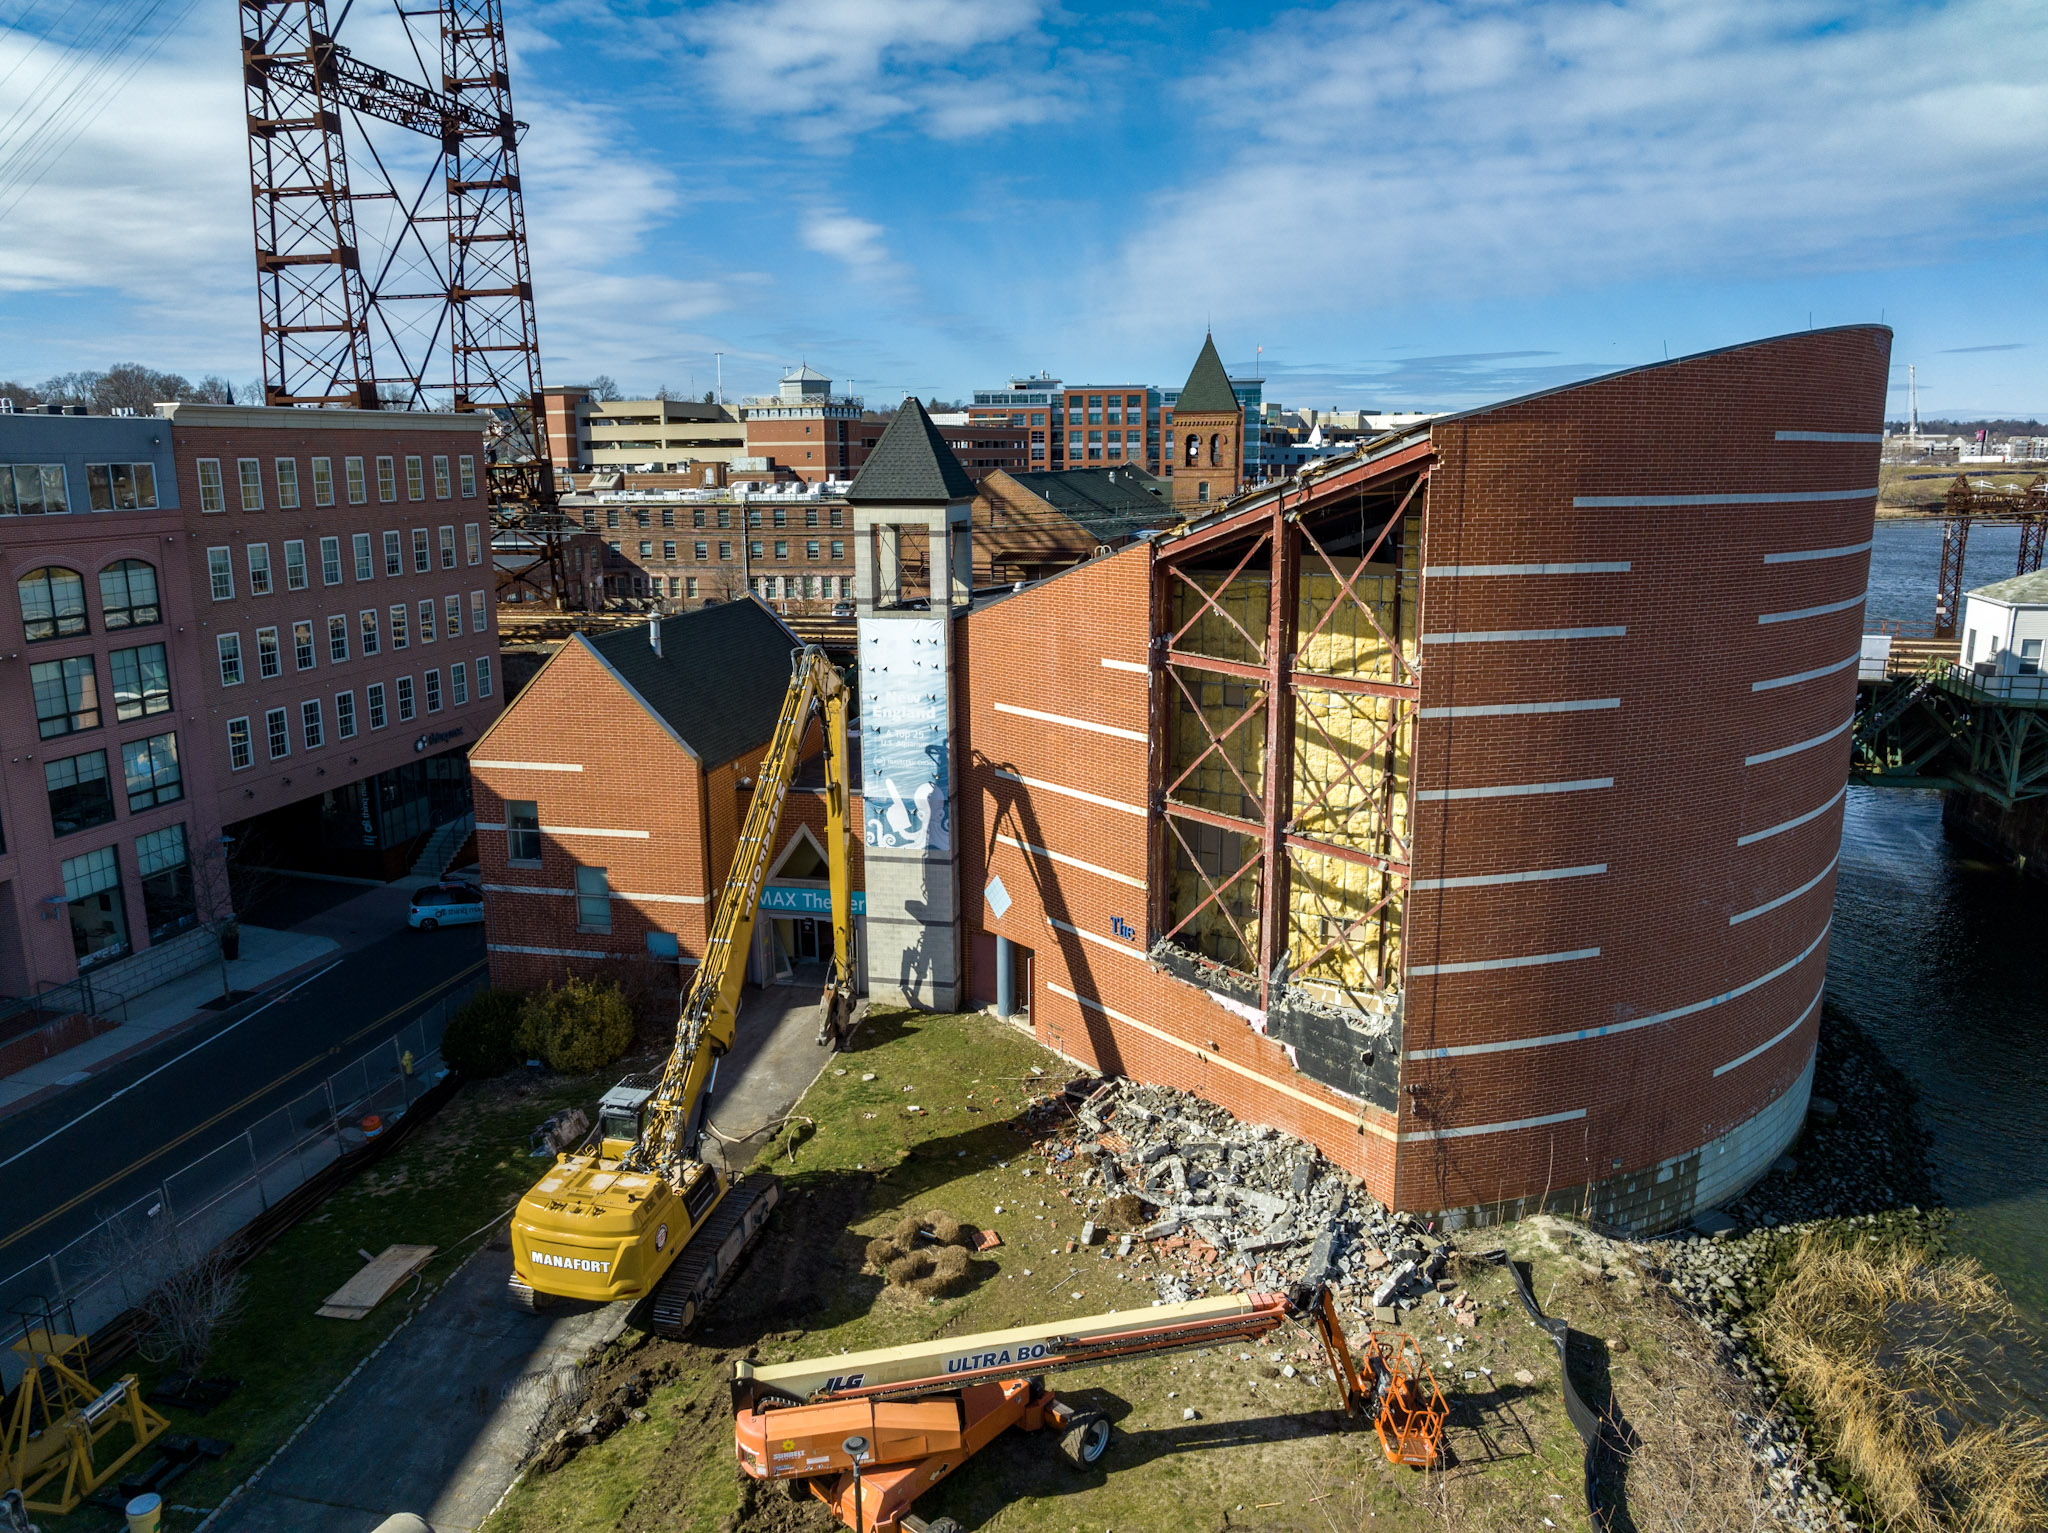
<point x="103" y="1143"/>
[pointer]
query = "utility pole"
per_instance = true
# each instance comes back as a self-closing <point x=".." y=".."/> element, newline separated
<point x="1912" y="403"/>
<point x="719" y="357"/>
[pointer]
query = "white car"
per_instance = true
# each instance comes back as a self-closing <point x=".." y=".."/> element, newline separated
<point x="445" y="905"/>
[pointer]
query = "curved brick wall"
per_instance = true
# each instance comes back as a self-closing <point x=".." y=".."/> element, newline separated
<point x="1642" y="609"/>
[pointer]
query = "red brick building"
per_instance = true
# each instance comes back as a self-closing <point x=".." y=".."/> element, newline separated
<point x="1208" y="435"/>
<point x="603" y="848"/>
<point x="1541" y="905"/>
<point x="805" y="428"/>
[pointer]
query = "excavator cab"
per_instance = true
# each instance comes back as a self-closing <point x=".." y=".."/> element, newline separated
<point x="619" y="1114"/>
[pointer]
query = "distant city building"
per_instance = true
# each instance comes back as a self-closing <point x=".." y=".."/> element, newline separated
<point x="1207" y="431"/>
<point x="807" y="429"/>
<point x="641" y="435"/>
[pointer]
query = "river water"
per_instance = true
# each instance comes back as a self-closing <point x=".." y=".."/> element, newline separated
<point x="1940" y="953"/>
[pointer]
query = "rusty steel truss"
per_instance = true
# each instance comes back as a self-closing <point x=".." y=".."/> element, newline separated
<point x="1267" y="688"/>
<point x="437" y="308"/>
<point x="1966" y="505"/>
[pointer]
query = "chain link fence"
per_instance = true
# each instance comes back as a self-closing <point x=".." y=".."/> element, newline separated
<point x="91" y="1280"/>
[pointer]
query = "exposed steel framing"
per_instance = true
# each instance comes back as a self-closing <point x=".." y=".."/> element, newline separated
<point x="1967" y="505"/>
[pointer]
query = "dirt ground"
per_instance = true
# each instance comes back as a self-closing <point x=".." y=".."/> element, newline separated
<point x="946" y="1123"/>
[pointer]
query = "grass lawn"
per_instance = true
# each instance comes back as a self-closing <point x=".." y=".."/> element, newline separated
<point x="1923" y="487"/>
<point x="1266" y="1451"/>
<point x="459" y="1169"/>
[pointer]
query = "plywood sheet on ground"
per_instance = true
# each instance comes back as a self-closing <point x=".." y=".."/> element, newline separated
<point x="376" y="1282"/>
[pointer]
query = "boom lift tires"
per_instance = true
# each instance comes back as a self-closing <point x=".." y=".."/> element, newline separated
<point x="1086" y="1440"/>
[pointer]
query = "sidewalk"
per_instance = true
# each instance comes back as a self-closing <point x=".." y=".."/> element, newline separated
<point x="267" y="957"/>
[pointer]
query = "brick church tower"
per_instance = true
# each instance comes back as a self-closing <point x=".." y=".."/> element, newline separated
<point x="1208" y="435"/>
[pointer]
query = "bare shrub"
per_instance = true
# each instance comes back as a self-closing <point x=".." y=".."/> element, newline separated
<point x="184" y="1289"/>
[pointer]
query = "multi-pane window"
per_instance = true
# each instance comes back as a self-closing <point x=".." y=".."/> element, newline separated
<point x="593" y="900"/>
<point x="781" y="548"/>
<point x="358" y="487"/>
<point x="373" y="695"/>
<point x="150" y="768"/>
<point x="690" y="587"/>
<point x="426" y="620"/>
<point x="415" y="478"/>
<point x="422" y="555"/>
<point x="166" y="873"/>
<point x="473" y="542"/>
<point x="646" y="548"/>
<point x="220" y="571"/>
<point x="398" y="625"/>
<point x="483" y="676"/>
<point x="387" y="479"/>
<point x="458" y="683"/>
<point x="142" y="681"/>
<point x="302" y="646"/>
<point x="668" y="553"/>
<point x="811" y="548"/>
<point x="81" y="794"/>
<point x="310" y="728"/>
<point x="259" y="569"/>
<point x="441" y="476"/>
<point x="345" y="715"/>
<point x="369" y="630"/>
<point x="452" y="610"/>
<point x="287" y="484"/>
<point x="330" y="561"/>
<point x="230" y="647"/>
<point x="52" y="603"/>
<point x="211" y="497"/>
<point x="433" y="691"/>
<point x="703" y="550"/>
<point x="277" y="729"/>
<point x="447" y="548"/>
<point x="522" y="830"/>
<point x="67" y="694"/>
<point x="295" y="564"/>
<point x="725" y="553"/>
<point x="250" y="471"/>
<point x="92" y="893"/>
<point x="476" y="612"/>
<point x="337" y="639"/>
<point x="394" y="554"/>
<point x="238" y="744"/>
<point x="467" y="465"/>
<point x="121" y="486"/>
<point x="838" y="549"/>
<point x="365" y="566"/>
<point x="269" y="663"/>
<point x="323" y="481"/>
<point x="405" y="708"/>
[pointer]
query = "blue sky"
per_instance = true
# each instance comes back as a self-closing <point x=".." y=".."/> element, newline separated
<point x="1407" y="204"/>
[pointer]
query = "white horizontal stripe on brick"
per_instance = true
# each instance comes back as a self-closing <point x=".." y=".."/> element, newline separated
<point x="1723" y="498"/>
<point x="1798" y="676"/>
<point x="1357" y="1118"/>
<point x="523" y="889"/>
<point x="1478" y="965"/>
<point x="1820" y="611"/>
<point x="1488" y="880"/>
<point x="1802" y="555"/>
<point x="1125" y="665"/>
<point x="662" y="899"/>
<point x="1097" y="938"/>
<point x="532" y="766"/>
<point x="1787" y="898"/>
<point x="1417" y="1135"/>
<point x="1523" y="635"/>
<point x="1792" y="824"/>
<point x="489" y="825"/>
<point x="1605" y="567"/>
<point x="1086" y="798"/>
<point x="1509" y="1045"/>
<point x="1792" y="750"/>
<point x="1764" y="1048"/>
<point x="591" y="830"/>
<point x="1071" y="722"/>
<point x="1072" y="862"/>
<point x="1511" y="790"/>
<point x="1828" y="436"/>
<point x="549" y="952"/>
<point x="1517" y="710"/>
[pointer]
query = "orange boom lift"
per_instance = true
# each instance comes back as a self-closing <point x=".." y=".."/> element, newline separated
<point x="868" y="1432"/>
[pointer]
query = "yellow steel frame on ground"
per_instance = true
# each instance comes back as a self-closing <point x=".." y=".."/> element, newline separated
<point x="59" y="1421"/>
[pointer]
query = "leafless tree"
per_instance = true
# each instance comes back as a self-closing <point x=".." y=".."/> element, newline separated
<point x="184" y="1288"/>
<point x="604" y="387"/>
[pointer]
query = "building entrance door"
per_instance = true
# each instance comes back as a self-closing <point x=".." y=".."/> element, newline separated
<point x="807" y="942"/>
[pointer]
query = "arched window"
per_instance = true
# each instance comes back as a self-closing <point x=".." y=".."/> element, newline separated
<point x="1194" y="449"/>
<point x="128" y="596"/>
<point x="52" y="603"/>
<point x="1215" y="457"/>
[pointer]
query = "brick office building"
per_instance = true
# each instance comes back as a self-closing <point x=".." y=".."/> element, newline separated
<point x="338" y="567"/>
<point x="603" y="849"/>
<point x="786" y="542"/>
<point x="806" y="428"/>
<point x="1541" y="902"/>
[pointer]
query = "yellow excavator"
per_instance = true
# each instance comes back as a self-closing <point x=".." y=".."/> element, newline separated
<point x="641" y="1214"/>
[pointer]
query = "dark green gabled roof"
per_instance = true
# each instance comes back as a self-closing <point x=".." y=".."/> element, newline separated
<point x="911" y="463"/>
<point x="1112" y="503"/>
<point x="719" y="680"/>
<point x="1208" y="387"/>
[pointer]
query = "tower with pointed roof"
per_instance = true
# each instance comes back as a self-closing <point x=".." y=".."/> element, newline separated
<point x="1208" y="435"/>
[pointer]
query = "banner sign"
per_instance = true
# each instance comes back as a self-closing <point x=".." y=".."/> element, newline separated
<point x="783" y="900"/>
<point x="904" y="741"/>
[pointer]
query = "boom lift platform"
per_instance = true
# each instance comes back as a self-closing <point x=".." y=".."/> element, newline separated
<point x="914" y="1414"/>
<point x="641" y="1214"/>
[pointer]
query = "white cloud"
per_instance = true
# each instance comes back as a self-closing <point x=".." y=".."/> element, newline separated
<point x="857" y="242"/>
<point x="1433" y="148"/>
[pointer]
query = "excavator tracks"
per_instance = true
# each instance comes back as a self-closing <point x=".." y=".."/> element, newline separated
<point x="714" y="1254"/>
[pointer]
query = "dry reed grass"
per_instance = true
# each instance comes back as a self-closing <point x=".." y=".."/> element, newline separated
<point x="1883" y="1343"/>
